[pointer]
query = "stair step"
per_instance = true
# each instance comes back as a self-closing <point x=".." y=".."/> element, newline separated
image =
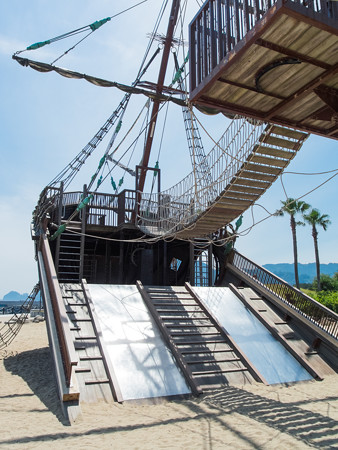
<point x="268" y="161"/>
<point x="262" y="169"/>
<point x="87" y="338"/>
<point x="216" y="333"/>
<point x="195" y="352"/>
<point x="263" y="150"/>
<point x="213" y="361"/>
<point x="287" y="132"/>
<point x="97" y="381"/>
<point x="82" y="369"/>
<point x="173" y="304"/>
<point x="81" y="320"/>
<point x="190" y="326"/>
<point x="77" y="304"/>
<point x="213" y="372"/>
<point x="180" y="311"/>
<point x="279" y="142"/>
<point x="90" y="358"/>
<point x="213" y="341"/>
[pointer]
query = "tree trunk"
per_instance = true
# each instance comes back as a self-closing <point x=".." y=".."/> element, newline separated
<point x="315" y="241"/>
<point x="295" y="252"/>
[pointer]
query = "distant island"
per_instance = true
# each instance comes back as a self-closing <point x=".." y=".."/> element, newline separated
<point x="307" y="273"/>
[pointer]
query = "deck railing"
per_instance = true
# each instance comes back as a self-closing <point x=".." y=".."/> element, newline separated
<point x="315" y="312"/>
<point x="221" y="24"/>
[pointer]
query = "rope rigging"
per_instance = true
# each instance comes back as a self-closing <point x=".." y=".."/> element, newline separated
<point x="91" y="28"/>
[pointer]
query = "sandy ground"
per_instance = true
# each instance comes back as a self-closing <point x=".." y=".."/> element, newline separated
<point x="300" y="416"/>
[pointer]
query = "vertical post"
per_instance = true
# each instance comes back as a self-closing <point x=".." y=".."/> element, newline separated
<point x="236" y="23"/>
<point x="199" y="55"/>
<point x="121" y="207"/>
<point x="205" y="45"/>
<point x="192" y="53"/>
<point x="83" y="231"/>
<point x="165" y="256"/>
<point x="121" y="260"/>
<point x="192" y="264"/>
<point x="219" y="30"/>
<point x="59" y="217"/>
<point x="210" y="264"/>
<point x="256" y="11"/>
<point x="227" y="26"/>
<point x="153" y="118"/>
<point x="246" y="16"/>
<point x="213" y="37"/>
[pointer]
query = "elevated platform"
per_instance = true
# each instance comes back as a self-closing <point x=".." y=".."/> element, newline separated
<point x="276" y="61"/>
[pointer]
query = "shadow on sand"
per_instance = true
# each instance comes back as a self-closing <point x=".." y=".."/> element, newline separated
<point x="35" y="367"/>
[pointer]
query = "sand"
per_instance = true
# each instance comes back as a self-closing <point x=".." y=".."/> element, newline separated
<point x="304" y="415"/>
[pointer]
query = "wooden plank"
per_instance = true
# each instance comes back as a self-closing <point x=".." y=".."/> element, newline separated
<point x="247" y="182"/>
<point x="254" y="372"/>
<point x="246" y="189"/>
<point x="279" y="142"/>
<point x="171" y="344"/>
<point x="256" y="176"/>
<point x="262" y="149"/>
<point x="262" y="169"/>
<point x="268" y="161"/>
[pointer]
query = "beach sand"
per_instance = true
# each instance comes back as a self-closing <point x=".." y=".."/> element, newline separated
<point x="304" y="415"/>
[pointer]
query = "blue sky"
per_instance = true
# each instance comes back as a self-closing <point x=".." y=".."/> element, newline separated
<point x="47" y="119"/>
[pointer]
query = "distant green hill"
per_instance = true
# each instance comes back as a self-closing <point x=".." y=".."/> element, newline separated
<point x="307" y="272"/>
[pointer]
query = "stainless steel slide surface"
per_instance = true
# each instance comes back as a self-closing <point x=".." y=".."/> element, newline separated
<point x="268" y="355"/>
<point x="144" y="367"/>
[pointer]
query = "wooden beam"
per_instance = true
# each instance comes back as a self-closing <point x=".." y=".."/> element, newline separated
<point x="289" y="52"/>
<point x="302" y="92"/>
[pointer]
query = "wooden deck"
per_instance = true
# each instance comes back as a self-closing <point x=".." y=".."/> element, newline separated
<point x="283" y="69"/>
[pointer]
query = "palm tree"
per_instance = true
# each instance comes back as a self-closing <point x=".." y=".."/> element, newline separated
<point x="314" y="218"/>
<point x="293" y="207"/>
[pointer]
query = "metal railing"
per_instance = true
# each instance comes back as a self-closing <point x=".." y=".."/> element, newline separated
<point x="314" y="311"/>
<point x="221" y="24"/>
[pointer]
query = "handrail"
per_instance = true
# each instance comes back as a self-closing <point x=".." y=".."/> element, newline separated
<point x="65" y="339"/>
<point x="318" y="314"/>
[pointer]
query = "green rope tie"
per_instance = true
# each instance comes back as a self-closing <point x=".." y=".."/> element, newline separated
<point x="57" y="233"/>
<point x="180" y="70"/>
<point x="38" y="45"/>
<point x="113" y="183"/>
<point x="84" y="202"/>
<point x="121" y="182"/>
<point x="157" y="166"/>
<point x="239" y="222"/>
<point x="102" y="160"/>
<point x="118" y="126"/>
<point x="99" y="181"/>
<point x="94" y="26"/>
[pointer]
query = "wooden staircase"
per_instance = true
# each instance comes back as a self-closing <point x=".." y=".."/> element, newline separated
<point x="69" y="258"/>
<point x="276" y="148"/>
<point x="93" y="374"/>
<point x="205" y="352"/>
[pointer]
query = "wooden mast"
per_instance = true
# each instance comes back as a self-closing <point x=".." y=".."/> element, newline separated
<point x="163" y="68"/>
